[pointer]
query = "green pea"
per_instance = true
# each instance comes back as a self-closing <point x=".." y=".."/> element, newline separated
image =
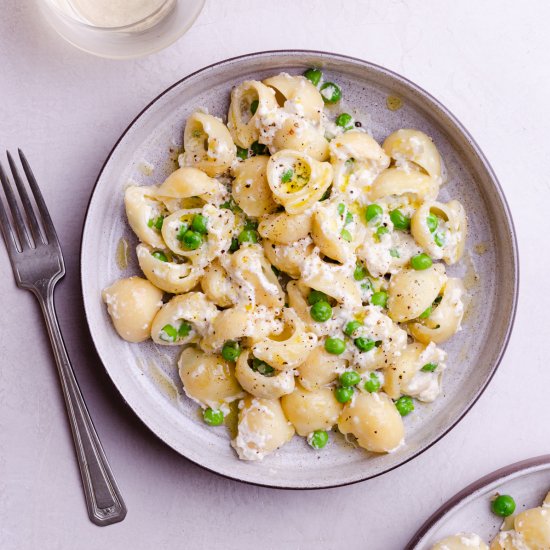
<point x="372" y="385"/>
<point x="168" y="333"/>
<point x="421" y="262"/>
<point x="259" y="148"/>
<point x="429" y="367"/>
<point x="382" y="230"/>
<point x="364" y="344"/>
<point x="248" y="236"/>
<point x="250" y="224"/>
<point x="318" y="439"/>
<point x="314" y="76"/>
<point x="426" y="313"/>
<point x="439" y="239"/>
<point x="404" y="405"/>
<point x="503" y="506"/>
<point x="181" y="231"/>
<point x="343" y="395"/>
<point x="242" y="153"/>
<point x="359" y="273"/>
<point x="184" y="330"/>
<point x="287" y="176"/>
<point x="432" y="222"/>
<point x="234" y="244"/>
<point x="316" y="296"/>
<point x="346" y="235"/>
<point x="336" y="346"/>
<point x="351" y="327"/>
<point x="231" y="350"/>
<point x="159" y="255"/>
<point x="156" y="223"/>
<point x="399" y="220"/>
<point x="321" y="311"/>
<point x="344" y="120"/>
<point x="213" y="417"/>
<point x="262" y="367"/>
<point x="199" y="224"/>
<point x="330" y="92"/>
<point x="349" y="378"/>
<point x="192" y="240"/>
<point x="373" y="211"/>
<point x="379" y="298"/>
<point x="341" y="208"/>
<point x="254" y="107"/>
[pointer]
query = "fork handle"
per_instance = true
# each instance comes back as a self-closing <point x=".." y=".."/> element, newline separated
<point x="103" y="499"/>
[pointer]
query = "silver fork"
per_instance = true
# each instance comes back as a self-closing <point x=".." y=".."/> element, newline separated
<point x="37" y="263"/>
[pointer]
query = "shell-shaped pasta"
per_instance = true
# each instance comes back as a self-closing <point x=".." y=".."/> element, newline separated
<point x="374" y="420"/>
<point x="288" y="257"/>
<point x="397" y="182"/>
<point x="220" y="222"/>
<point x="283" y="228"/>
<point x="314" y="410"/>
<point x="183" y="319"/>
<point x="236" y="323"/>
<point x="250" y="188"/>
<point x="534" y="527"/>
<point x="297" y="181"/>
<point x="170" y="276"/>
<point x="320" y="368"/>
<point x="332" y="279"/>
<point x="208" y="144"/>
<point x="448" y="239"/>
<point x="287" y="349"/>
<point x="412" y="147"/>
<point x="132" y="304"/>
<point x="242" y="123"/>
<point x="252" y="272"/>
<point x="411" y="292"/>
<point x="462" y="541"/>
<point x="217" y="285"/>
<point x="262" y="428"/>
<point x="332" y="235"/>
<point x="297" y="94"/>
<point x="142" y="207"/>
<point x="260" y="385"/>
<point x="298" y="134"/>
<point x="445" y="320"/>
<point x="208" y="379"/>
<point x="187" y="182"/>
<point x="404" y="375"/>
<point x="360" y="147"/>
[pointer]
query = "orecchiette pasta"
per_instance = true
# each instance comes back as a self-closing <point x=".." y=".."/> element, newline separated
<point x="262" y="428"/>
<point x="208" y="379"/>
<point x="132" y="304"/>
<point x="208" y="144"/>
<point x="304" y="260"/>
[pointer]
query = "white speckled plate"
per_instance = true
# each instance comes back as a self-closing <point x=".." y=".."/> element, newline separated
<point x="469" y="511"/>
<point x="146" y="375"/>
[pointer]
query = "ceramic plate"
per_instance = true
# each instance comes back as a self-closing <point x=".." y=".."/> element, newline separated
<point x="146" y="374"/>
<point x="527" y="482"/>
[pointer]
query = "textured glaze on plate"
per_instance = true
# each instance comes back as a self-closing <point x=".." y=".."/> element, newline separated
<point x="527" y="482"/>
<point x="145" y="374"/>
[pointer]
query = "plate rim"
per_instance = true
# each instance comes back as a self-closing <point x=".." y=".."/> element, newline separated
<point x="524" y="466"/>
<point x="510" y="228"/>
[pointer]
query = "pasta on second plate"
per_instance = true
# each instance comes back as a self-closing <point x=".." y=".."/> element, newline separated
<point x="303" y="269"/>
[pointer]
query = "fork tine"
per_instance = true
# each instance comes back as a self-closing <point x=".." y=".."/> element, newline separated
<point x="7" y="231"/>
<point x="47" y="223"/>
<point x="15" y="211"/>
<point x="31" y="216"/>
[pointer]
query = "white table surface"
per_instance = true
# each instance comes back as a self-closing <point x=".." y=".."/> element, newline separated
<point x="487" y="61"/>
